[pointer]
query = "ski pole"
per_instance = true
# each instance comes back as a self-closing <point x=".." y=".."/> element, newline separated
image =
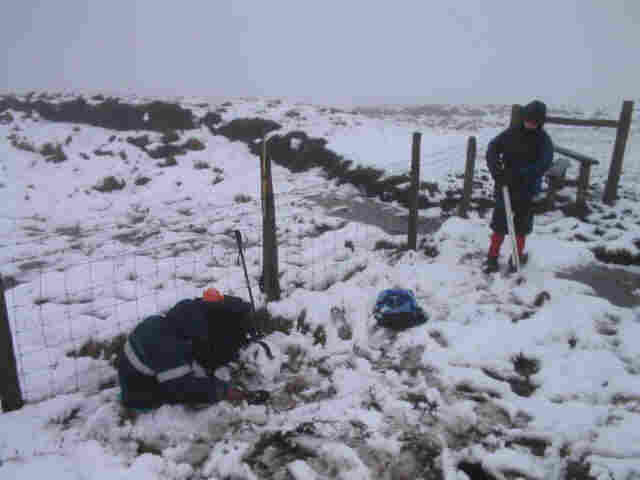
<point x="244" y="266"/>
<point x="511" y="228"/>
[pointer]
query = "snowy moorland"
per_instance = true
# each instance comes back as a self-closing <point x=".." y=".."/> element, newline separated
<point x="533" y="379"/>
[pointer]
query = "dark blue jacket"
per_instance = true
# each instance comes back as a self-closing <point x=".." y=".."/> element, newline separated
<point x="526" y="155"/>
<point x="158" y="364"/>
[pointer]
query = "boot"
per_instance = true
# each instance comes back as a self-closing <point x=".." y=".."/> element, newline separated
<point x="491" y="265"/>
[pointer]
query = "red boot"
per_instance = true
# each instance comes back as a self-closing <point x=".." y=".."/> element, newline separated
<point x="496" y="243"/>
<point x="494" y="251"/>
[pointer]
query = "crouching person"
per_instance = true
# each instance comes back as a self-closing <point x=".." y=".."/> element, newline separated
<point x="162" y="360"/>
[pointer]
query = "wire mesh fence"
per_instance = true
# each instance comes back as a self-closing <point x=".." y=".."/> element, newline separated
<point x="71" y="315"/>
<point x="66" y="320"/>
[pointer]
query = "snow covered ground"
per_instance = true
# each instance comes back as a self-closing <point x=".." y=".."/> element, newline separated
<point x="532" y="380"/>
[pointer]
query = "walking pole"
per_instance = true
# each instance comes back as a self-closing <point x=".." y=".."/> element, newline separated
<point x="244" y="266"/>
<point x="511" y="227"/>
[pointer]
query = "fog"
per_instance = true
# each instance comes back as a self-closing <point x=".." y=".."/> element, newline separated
<point x="578" y="52"/>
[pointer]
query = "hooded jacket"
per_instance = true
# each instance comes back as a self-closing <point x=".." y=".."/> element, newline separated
<point x="159" y="366"/>
<point x="524" y="154"/>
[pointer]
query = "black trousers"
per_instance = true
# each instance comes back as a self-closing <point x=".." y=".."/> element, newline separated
<point x="138" y="390"/>
<point x="522" y="215"/>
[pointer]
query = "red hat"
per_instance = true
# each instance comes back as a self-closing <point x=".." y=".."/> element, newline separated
<point x="212" y="295"/>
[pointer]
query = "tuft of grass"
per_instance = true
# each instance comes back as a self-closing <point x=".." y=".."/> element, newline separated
<point x="103" y="153"/>
<point x="578" y="471"/>
<point x="105" y="349"/>
<point x="616" y="257"/>
<point x="53" y="153"/>
<point x="474" y="471"/>
<point x="431" y="251"/>
<point x="66" y="419"/>
<point x="170" y="137"/>
<point x="200" y="165"/>
<point x="262" y="321"/>
<point x="110" y="184"/>
<point x="22" y="144"/>
<point x="147" y="447"/>
<point x="40" y="301"/>
<point x="525" y="366"/>
<point x="320" y="336"/>
<point x="419" y="458"/>
<point x="6" y="118"/>
<point x="439" y="338"/>
<point x="33" y="265"/>
<point x="542" y="297"/>
<point x="194" y="144"/>
<point x="301" y="324"/>
<point x="272" y="453"/>
<point x="385" y="245"/>
<point x="48" y="149"/>
<point x="168" y="162"/>
<point x="140" y="142"/>
<point x="242" y="198"/>
<point x="142" y="181"/>
<point x="535" y="445"/>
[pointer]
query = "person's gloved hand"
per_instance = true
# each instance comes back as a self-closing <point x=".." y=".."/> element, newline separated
<point x="257" y="397"/>
<point x="254" y="397"/>
<point x="234" y="395"/>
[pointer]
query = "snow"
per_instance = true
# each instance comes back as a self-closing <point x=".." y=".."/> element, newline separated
<point x="357" y="404"/>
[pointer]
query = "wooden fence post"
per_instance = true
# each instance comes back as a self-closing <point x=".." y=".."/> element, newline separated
<point x="583" y="183"/>
<point x="516" y="115"/>
<point x="412" y="241"/>
<point x="615" y="169"/>
<point x="468" y="177"/>
<point x="10" y="393"/>
<point x="269" y="239"/>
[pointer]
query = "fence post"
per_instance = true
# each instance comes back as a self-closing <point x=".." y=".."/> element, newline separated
<point x="554" y="186"/>
<point x="412" y="241"/>
<point x="615" y="169"/>
<point x="583" y="183"/>
<point x="468" y="177"/>
<point x="10" y="393"/>
<point x="269" y="242"/>
<point x="516" y="115"/>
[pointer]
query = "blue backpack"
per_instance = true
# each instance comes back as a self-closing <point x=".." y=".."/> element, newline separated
<point x="397" y="309"/>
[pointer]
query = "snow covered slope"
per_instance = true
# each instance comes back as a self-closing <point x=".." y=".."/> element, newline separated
<point x="533" y="380"/>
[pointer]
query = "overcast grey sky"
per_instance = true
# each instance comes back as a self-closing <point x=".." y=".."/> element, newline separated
<point x="583" y="52"/>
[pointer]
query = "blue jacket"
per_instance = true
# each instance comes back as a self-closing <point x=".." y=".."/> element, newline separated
<point x="526" y="154"/>
<point x="159" y="356"/>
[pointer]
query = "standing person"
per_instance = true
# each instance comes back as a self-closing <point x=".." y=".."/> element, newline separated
<point x="163" y="357"/>
<point x="518" y="158"/>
